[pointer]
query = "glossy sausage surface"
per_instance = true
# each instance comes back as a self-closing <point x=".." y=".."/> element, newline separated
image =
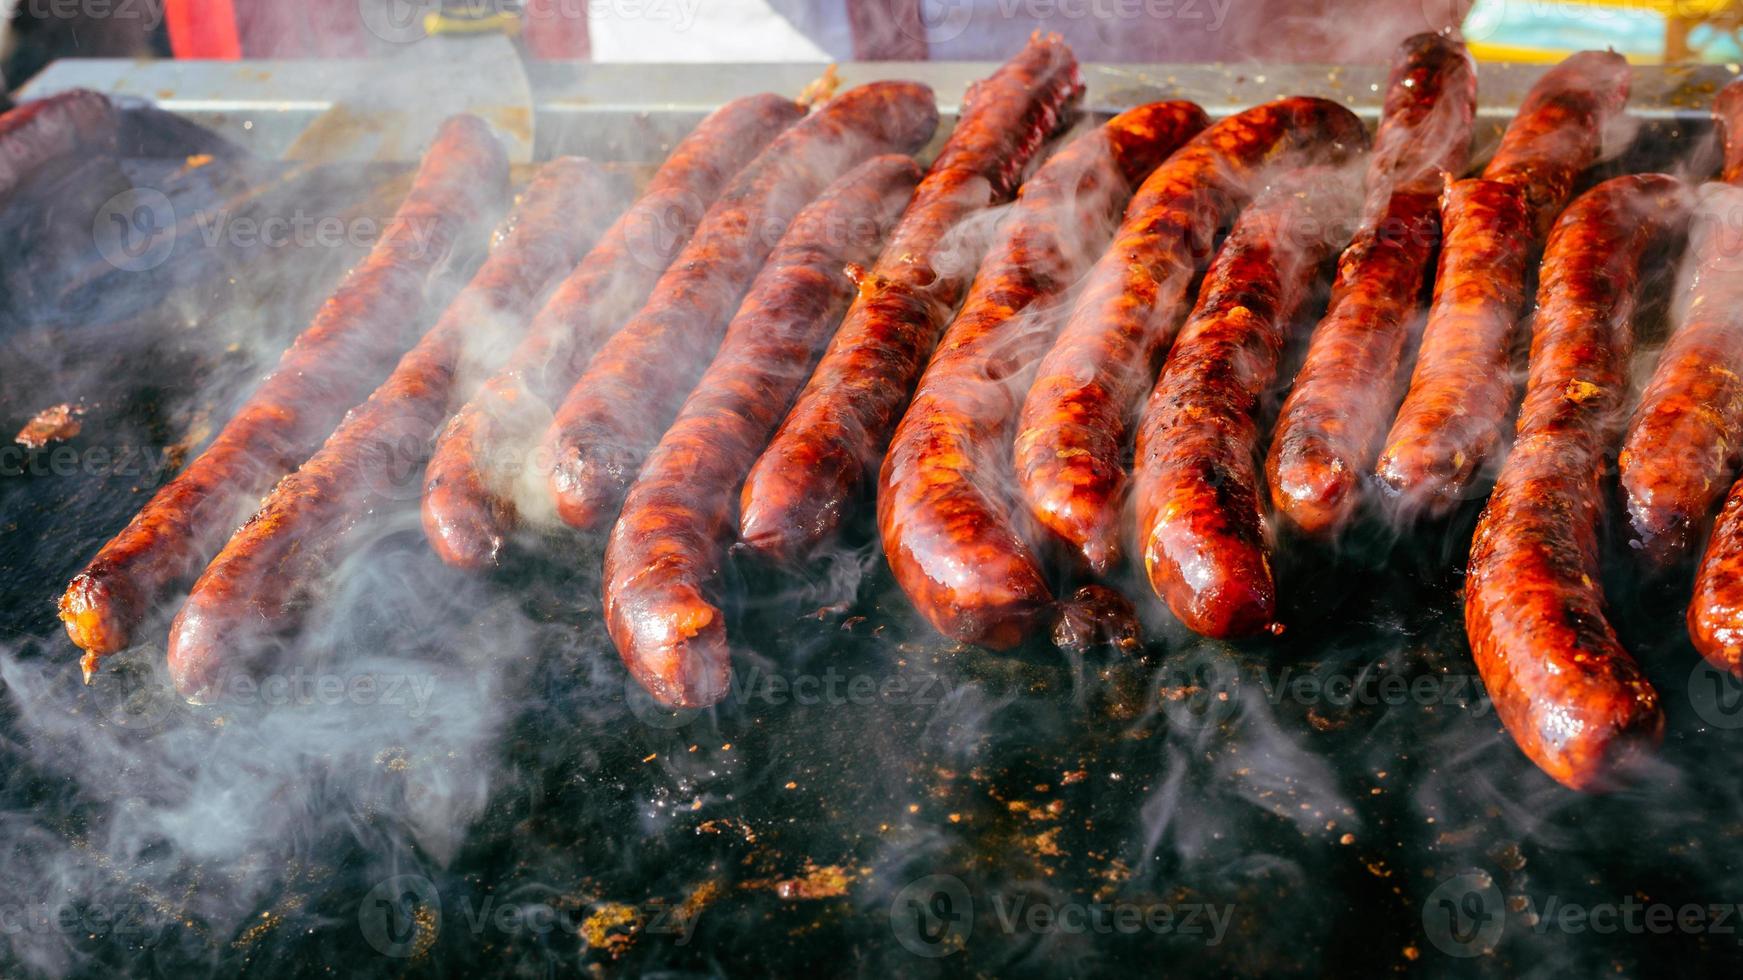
<point x="1570" y="695"/>
<point x="1072" y="432"/>
<point x="1329" y="428"/>
<point x="618" y="408"/>
<point x="353" y="342"/>
<point x="951" y="524"/>
<point x="1450" y="422"/>
<point x="663" y="559"/>
<point x="829" y="445"/>
<point x="256" y="586"/>
<point x="1202" y="526"/>
<point x="484" y="458"/>
<point x="1686" y="435"/>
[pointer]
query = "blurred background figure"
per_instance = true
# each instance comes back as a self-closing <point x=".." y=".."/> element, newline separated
<point x="1264" y="31"/>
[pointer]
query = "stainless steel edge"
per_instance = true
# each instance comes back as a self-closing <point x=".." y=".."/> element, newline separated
<point x="634" y="112"/>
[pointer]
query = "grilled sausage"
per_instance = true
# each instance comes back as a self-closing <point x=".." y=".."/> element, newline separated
<point x="1571" y="697"/>
<point x="1686" y="435"/>
<point x="356" y="336"/>
<point x="469" y="500"/>
<point x="1072" y="433"/>
<point x="1329" y="428"/>
<point x="1728" y="120"/>
<point x="54" y="130"/>
<point x="256" y="585"/>
<point x="1202" y="526"/>
<point x="795" y="495"/>
<point x="1451" y="418"/>
<point x="665" y="551"/>
<point x="621" y="404"/>
<point x="951" y="527"/>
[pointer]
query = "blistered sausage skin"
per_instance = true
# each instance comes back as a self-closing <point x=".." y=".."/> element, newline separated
<point x="951" y="527"/>
<point x="1569" y="694"/>
<point x="828" y="446"/>
<point x="664" y="555"/>
<point x="256" y="585"/>
<point x="485" y="450"/>
<point x="353" y="342"/>
<point x="1329" y="428"/>
<point x="618" y="408"/>
<point x="1686" y="434"/>
<point x="1072" y="432"/>
<point x="1201" y="523"/>
<point x="1451" y="419"/>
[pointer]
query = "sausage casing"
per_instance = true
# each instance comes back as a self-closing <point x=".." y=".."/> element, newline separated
<point x="951" y="526"/>
<point x="484" y="453"/>
<point x="1072" y="432"/>
<point x="618" y="408"/>
<point x="1202" y="527"/>
<point x="1570" y="695"/>
<point x="353" y="342"/>
<point x="1686" y="435"/>
<point x="1461" y="389"/>
<point x="664" y="555"/>
<point x="829" y="444"/>
<point x="1329" y="428"/>
<point x="255" y="585"/>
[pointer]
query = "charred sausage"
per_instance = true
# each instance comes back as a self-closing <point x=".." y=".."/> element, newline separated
<point x="623" y="401"/>
<point x="1202" y="527"/>
<point x="665" y="552"/>
<point x="952" y="529"/>
<point x="1071" y="435"/>
<point x="354" y="340"/>
<point x="1461" y="389"/>
<point x="825" y="450"/>
<point x="1570" y="695"/>
<point x="469" y="504"/>
<point x="1329" y="428"/>
<point x="256" y="585"/>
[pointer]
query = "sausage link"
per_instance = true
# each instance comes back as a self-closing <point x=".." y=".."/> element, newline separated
<point x="469" y="499"/>
<point x="256" y="586"/>
<point x="1570" y="695"/>
<point x="354" y="340"/>
<point x="1460" y="386"/>
<point x="55" y="130"/>
<point x="1201" y="518"/>
<point x="1686" y="435"/>
<point x="665" y="552"/>
<point x="1715" y="616"/>
<point x="1071" y="436"/>
<point x="617" y="410"/>
<point x="1329" y="428"/>
<point x="798" y="491"/>
<point x="1728" y="121"/>
<point x="950" y="524"/>
<point x="1451" y="419"/>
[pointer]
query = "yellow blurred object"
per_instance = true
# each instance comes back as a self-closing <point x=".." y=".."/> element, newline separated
<point x="1680" y="18"/>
